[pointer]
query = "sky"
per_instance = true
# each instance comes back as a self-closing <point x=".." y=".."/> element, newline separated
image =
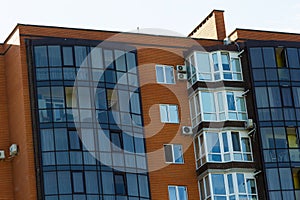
<point x="180" y="16"/>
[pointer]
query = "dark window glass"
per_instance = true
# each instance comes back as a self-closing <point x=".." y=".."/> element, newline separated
<point x="289" y="114"/>
<point x="110" y="76"/>
<point x="259" y="74"/>
<point x="276" y="114"/>
<point x="108" y="59"/>
<point x="61" y="139"/>
<point x="55" y="73"/>
<point x="50" y="183"/>
<point x="42" y="74"/>
<point x="264" y="114"/>
<point x="131" y="62"/>
<point x="96" y="57"/>
<point x="143" y="186"/>
<point x="135" y="103"/>
<point x="280" y="137"/>
<point x="91" y="182"/>
<point x="296" y="96"/>
<point x="40" y="55"/>
<point x="100" y="99"/>
<point x="116" y="141"/>
<point x="293" y="60"/>
<point x="225" y="142"/>
<point x="47" y="140"/>
<point x="269" y="57"/>
<point x="120" y="60"/>
<point x="230" y="101"/>
<point x="54" y="56"/>
<point x="78" y="185"/>
<point x="139" y="144"/>
<point x="64" y="182"/>
<point x="283" y="74"/>
<point x="271" y="74"/>
<point x="273" y="179"/>
<point x="274" y="97"/>
<point x="267" y="138"/>
<point x="81" y="56"/>
<point x="74" y="140"/>
<point x="225" y="61"/>
<point x="295" y="74"/>
<point x="120" y="184"/>
<point x="287" y="96"/>
<point x="218" y="184"/>
<point x="124" y="100"/>
<point x="108" y="183"/>
<point x="76" y="157"/>
<point x="280" y="57"/>
<point x="261" y="97"/>
<point x="128" y="143"/>
<point x="235" y="141"/>
<point x="133" y="185"/>
<point x="168" y="153"/>
<point x="68" y="56"/>
<point x="256" y="58"/>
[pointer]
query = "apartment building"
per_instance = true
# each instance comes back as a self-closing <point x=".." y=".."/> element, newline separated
<point x="92" y="115"/>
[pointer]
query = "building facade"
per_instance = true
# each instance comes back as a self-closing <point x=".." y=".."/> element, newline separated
<point x="100" y="115"/>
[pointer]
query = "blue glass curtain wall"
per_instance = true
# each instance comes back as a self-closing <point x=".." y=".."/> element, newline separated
<point x="276" y="80"/>
<point x="91" y="142"/>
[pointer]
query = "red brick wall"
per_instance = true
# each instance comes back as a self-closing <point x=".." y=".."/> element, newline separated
<point x="157" y="133"/>
<point x="6" y="177"/>
<point x="19" y="121"/>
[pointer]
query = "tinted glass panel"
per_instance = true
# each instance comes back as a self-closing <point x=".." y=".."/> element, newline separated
<point x="293" y="59"/>
<point x="256" y="57"/>
<point x="218" y="184"/>
<point x="269" y="57"/>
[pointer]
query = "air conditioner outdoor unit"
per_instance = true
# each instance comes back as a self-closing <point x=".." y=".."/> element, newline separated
<point x="2" y="155"/>
<point x="13" y="150"/>
<point x="181" y="68"/>
<point x="249" y="124"/>
<point x="187" y="130"/>
<point x="181" y="76"/>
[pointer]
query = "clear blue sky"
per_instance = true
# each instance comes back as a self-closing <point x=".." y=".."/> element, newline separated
<point x="175" y="15"/>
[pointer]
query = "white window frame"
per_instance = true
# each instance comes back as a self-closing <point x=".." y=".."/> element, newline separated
<point x="204" y="151"/>
<point x="173" y="153"/>
<point x="194" y="74"/>
<point x="247" y="176"/>
<point x="206" y="188"/>
<point x="221" y="115"/>
<point x="164" y="74"/>
<point x="177" y="191"/>
<point x="195" y="109"/>
<point x="168" y="113"/>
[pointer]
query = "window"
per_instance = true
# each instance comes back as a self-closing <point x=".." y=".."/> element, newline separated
<point x="165" y="74"/>
<point x="78" y="185"/>
<point x="280" y="57"/>
<point x="173" y="153"/>
<point x="168" y="113"/>
<point x="208" y="106"/>
<point x="217" y="106"/>
<point x="223" y="146"/>
<point x="120" y="185"/>
<point x="116" y="141"/>
<point x="195" y="109"/>
<point x="177" y="193"/>
<point x="220" y="65"/>
<point x="228" y="186"/>
<point x="204" y="188"/>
